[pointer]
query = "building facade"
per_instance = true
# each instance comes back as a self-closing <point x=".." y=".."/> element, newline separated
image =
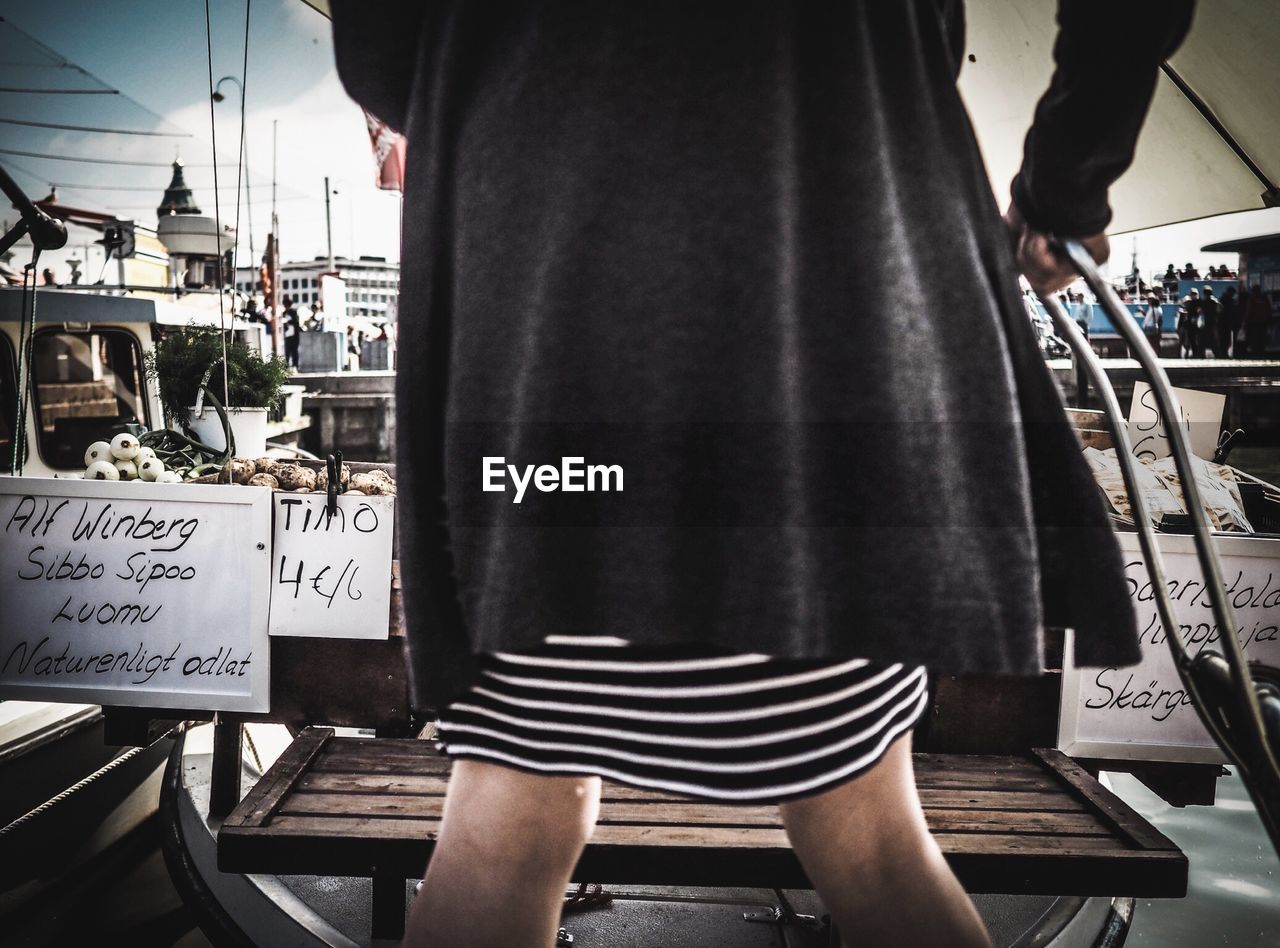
<point x="373" y="284"/>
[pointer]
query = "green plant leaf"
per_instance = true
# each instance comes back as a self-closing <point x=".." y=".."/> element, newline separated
<point x="180" y="358"/>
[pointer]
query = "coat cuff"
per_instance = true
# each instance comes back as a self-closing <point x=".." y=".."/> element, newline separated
<point x="1081" y="219"/>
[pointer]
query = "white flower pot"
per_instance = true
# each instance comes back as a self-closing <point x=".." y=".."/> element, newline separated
<point x="248" y="427"/>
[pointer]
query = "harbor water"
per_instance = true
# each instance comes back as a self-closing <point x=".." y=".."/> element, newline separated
<point x="1233" y="889"/>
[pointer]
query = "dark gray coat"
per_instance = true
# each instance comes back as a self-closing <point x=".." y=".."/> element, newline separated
<point x="748" y="253"/>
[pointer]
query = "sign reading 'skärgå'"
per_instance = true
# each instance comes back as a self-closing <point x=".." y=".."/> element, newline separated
<point x="1143" y="712"/>
<point x="134" y="594"/>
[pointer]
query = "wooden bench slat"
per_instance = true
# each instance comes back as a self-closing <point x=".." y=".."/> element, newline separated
<point x="1040" y="801"/>
<point x="318" y="781"/>
<point x="409" y="757"/>
<point x="941" y="820"/>
<point x="410" y="784"/>
<point x="928" y="763"/>
<point x="927" y="766"/>
<point x="1014" y="821"/>
<point x="410" y="764"/>
<point x="1021" y="783"/>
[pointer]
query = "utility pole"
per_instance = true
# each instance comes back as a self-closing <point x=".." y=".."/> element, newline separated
<point x="328" y="224"/>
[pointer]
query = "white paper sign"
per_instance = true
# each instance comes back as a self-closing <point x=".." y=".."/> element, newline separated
<point x="1142" y="712"/>
<point x="331" y="576"/>
<point x="135" y="594"/>
<point x="1201" y="421"/>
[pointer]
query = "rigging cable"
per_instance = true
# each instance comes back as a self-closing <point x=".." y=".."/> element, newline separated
<point x="240" y="152"/>
<point x="26" y="343"/>
<point x="60" y="91"/>
<point x="90" y="128"/>
<point x="96" y="161"/>
<point x="217" y="217"/>
<point x="112" y="187"/>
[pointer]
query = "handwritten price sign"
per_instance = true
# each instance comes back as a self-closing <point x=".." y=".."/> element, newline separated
<point x="1143" y="713"/>
<point x="134" y="594"/>
<point x="331" y="575"/>
<point x="1201" y="421"/>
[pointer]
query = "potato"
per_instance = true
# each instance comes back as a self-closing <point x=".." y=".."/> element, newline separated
<point x="264" y="480"/>
<point x="267" y="465"/>
<point x="322" y="478"/>
<point x="295" y="477"/>
<point x="369" y="484"/>
<point x="242" y="470"/>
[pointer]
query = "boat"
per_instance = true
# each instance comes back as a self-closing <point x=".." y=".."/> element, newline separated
<point x="89" y="378"/>
<point x="69" y="796"/>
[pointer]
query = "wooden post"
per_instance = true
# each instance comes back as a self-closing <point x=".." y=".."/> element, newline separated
<point x="224" y="773"/>
<point x="388" y="906"/>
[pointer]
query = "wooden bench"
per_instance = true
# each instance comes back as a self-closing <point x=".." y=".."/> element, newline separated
<point x="1032" y="824"/>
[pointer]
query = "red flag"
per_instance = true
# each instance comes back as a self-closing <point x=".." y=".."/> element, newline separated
<point x="388" y="152"/>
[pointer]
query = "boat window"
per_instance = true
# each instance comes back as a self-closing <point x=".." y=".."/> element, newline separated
<point x="88" y="386"/>
<point x="8" y="400"/>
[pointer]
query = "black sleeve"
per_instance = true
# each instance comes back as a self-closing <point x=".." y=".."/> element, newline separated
<point x="1086" y="126"/>
<point x="376" y="48"/>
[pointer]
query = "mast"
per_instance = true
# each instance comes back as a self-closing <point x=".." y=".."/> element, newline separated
<point x="273" y="255"/>
<point x="328" y="223"/>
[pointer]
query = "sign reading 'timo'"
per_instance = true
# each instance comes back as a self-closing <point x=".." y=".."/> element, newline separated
<point x="331" y="574"/>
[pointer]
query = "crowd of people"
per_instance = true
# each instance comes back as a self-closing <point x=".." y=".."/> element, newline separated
<point x="295" y="319"/>
<point x="1234" y="325"/>
<point x="1189" y="272"/>
<point x="1230" y="327"/>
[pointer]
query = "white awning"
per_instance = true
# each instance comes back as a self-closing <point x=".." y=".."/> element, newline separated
<point x="1184" y="169"/>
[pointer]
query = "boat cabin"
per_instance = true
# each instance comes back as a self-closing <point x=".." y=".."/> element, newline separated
<point x="88" y="372"/>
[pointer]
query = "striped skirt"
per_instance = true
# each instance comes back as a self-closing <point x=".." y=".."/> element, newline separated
<point x="733" y="728"/>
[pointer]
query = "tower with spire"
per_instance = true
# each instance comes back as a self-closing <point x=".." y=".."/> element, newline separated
<point x="196" y="243"/>
<point x="178" y="198"/>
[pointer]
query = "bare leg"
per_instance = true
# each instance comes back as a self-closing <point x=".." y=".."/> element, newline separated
<point x="867" y="850"/>
<point x="508" y="842"/>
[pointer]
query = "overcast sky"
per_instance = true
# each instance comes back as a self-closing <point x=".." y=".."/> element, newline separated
<point x="154" y="52"/>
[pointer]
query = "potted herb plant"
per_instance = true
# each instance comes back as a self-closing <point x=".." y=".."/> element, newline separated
<point x="184" y="360"/>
